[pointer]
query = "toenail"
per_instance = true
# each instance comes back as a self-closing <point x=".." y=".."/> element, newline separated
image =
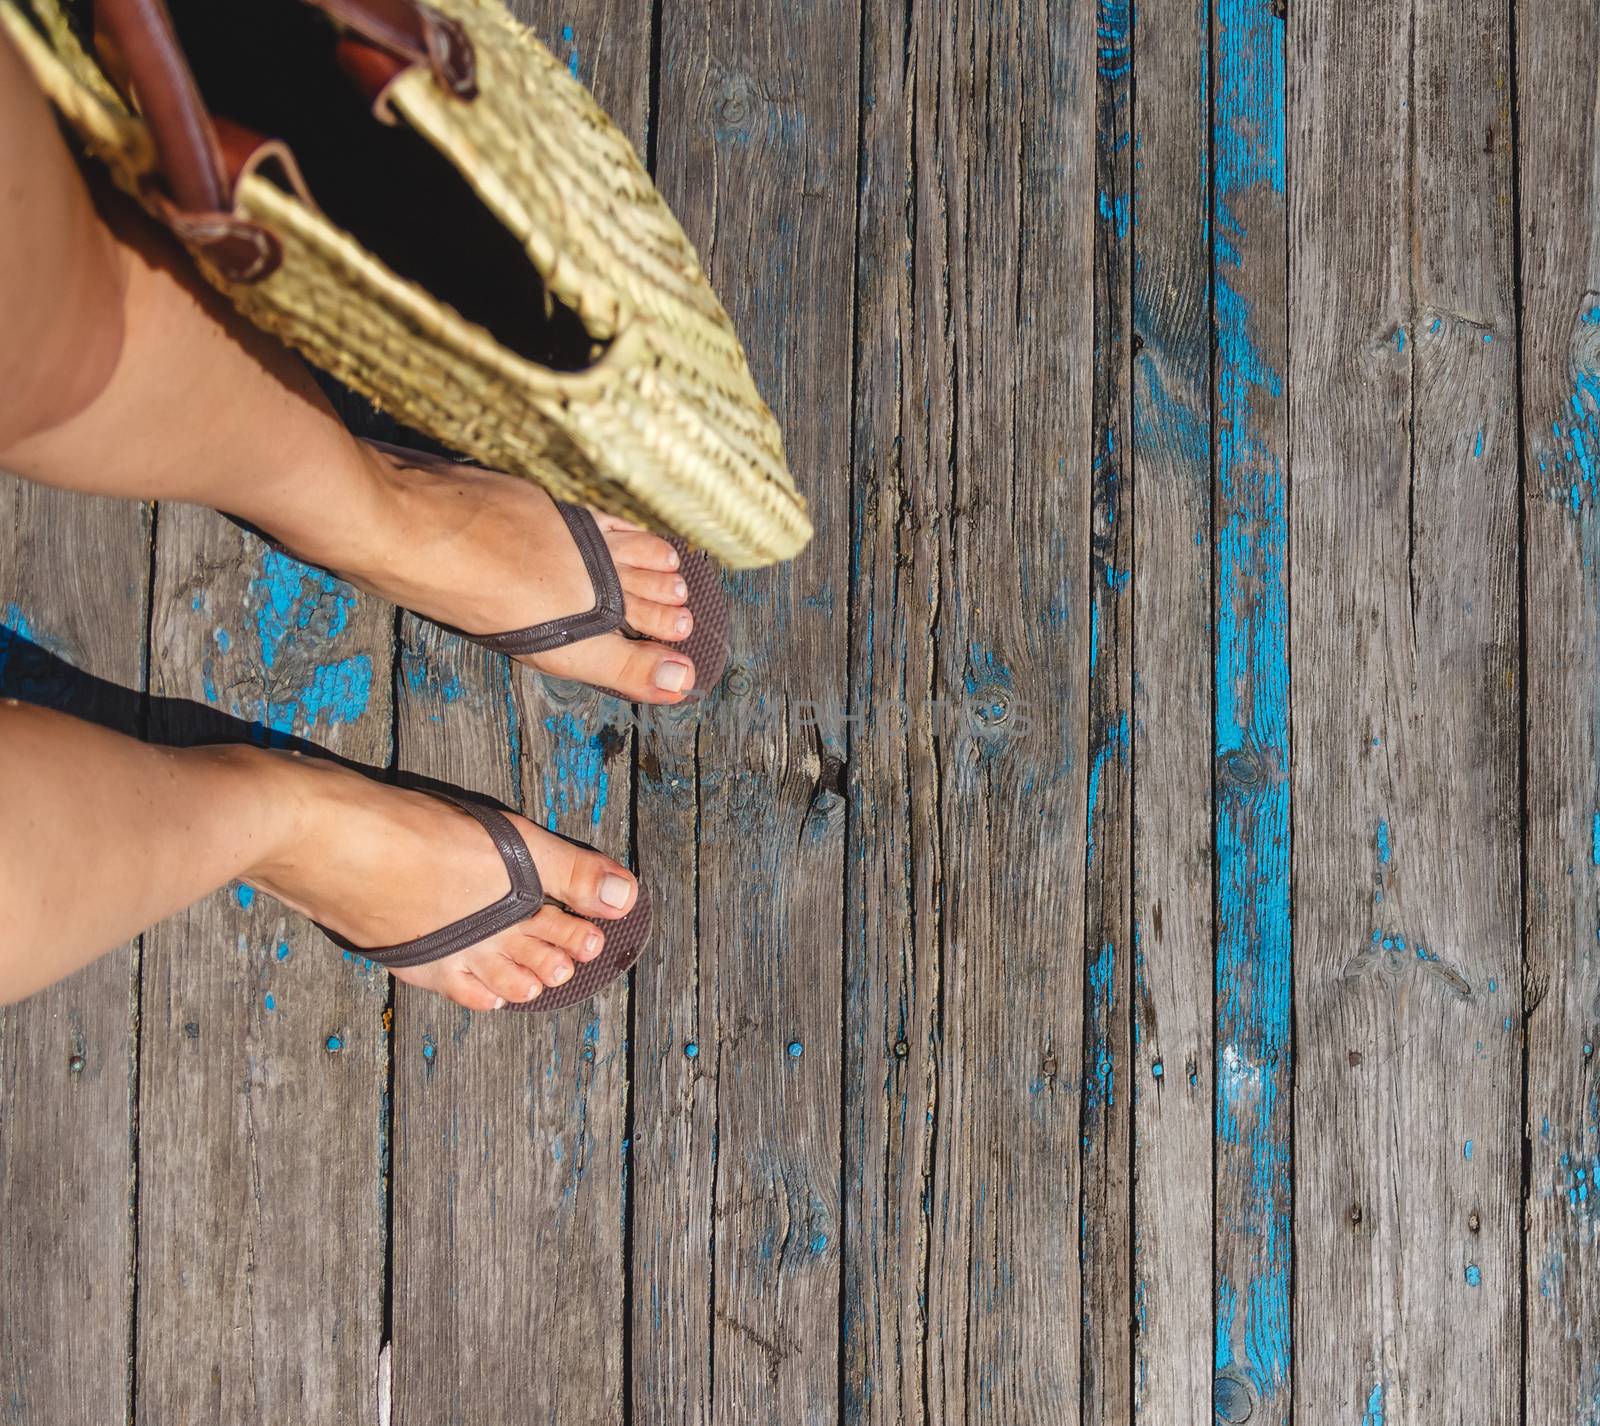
<point x="672" y="676"/>
<point x="680" y="589"/>
<point x="672" y="559"/>
<point x="499" y="1002"/>
<point x="682" y="626"/>
<point x="563" y="975"/>
<point x="591" y="944"/>
<point x="614" y="890"/>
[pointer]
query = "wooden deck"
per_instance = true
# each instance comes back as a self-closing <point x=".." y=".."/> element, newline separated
<point x="1170" y="993"/>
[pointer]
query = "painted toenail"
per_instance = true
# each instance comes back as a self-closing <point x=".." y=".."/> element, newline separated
<point x="563" y="975"/>
<point x="614" y="890"/>
<point x="672" y="676"/>
<point x="682" y="626"/>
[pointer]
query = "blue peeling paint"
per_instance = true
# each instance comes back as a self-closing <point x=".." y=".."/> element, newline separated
<point x="300" y="613"/>
<point x="1116" y="745"/>
<point x="333" y="1044"/>
<point x="1251" y="719"/>
<point x="246" y="896"/>
<point x="1099" y="1086"/>
<point x="1477" y="447"/>
<point x="691" y="1050"/>
<point x="1474" y="1275"/>
<point x="269" y="1001"/>
<point x="1115" y="210"/>
<point x="282" y="952"/>
<point x="796" y="1049"/>
<point x="575" y="776"/>
<point x="1383" y="844"/>
<point x="1374" y="1412"/>
<point x="1466" y="1151"/>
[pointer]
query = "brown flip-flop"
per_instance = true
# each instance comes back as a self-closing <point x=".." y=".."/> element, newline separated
<point x="625" y="939"/>
<point x="707" y="644"/>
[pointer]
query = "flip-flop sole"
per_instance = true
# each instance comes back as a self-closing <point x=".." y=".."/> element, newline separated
<point x="625" y="943"/>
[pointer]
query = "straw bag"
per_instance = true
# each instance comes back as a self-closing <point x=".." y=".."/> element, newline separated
<point x="425" y="203"/>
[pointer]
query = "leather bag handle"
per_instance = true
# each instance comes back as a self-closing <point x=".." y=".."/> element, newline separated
<point x="200" y="168"/>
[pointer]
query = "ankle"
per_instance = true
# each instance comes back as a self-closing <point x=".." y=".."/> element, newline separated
<point x="274" y="797"/>
<point x="356" y="516"/>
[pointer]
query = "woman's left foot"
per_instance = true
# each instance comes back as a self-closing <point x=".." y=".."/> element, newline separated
<point x="485" y="552"/>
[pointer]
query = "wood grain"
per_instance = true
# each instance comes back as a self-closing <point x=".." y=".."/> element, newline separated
<point x="894" y="945"/>
<point x="73" y="578"/>
<point x="757" y="154"/>
<point x="1558" y="61"/>
<point x="1171" y="1070"/>
<point x="1002" y="154"/>
<point x="1106" y="1233"/>
<point x="1405" y="595"/>
<point x="508" y="1250"/>
<point x="1254" y="1071"/>
<point x="263" y="1091"/>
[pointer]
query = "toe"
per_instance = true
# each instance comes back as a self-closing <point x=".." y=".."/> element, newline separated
<point x="507" y="977"/>
<point x="464" y="987"/>
<point x="640" y="671"/>
<point x="641" y="551"/>
<point x="658" y="621"/>
<point x="650" y="584"/>
<point x="550" y="963"/>
<point x="580" y="939"/>
<point x="585" y="880"/>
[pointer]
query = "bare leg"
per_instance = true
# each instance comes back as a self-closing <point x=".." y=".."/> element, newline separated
<point x="123" y="375"/>
<point x="104" y="835"/>
<point x="119" y="376"/>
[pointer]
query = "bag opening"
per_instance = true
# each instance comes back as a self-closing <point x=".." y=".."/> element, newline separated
<point x="270" y="65"/>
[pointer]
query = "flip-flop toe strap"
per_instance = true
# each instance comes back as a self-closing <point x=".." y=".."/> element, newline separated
<point x="606" y="616"/>
<point x="523" y="901"/>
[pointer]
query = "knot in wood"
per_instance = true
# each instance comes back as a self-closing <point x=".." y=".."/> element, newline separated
<point x="1243" y="769"/>
<point x="1232" y="1398"/>
<point x="991" y="705"/>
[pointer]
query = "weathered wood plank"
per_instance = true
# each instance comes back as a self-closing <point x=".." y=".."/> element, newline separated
<point x="893" y="935"/>
<point x="74" y="576"/>
<point x="1254" y="1073"/>
<point x="1558" y="79"/>
<point x="508" y="1257"/>
<point x="1171" y="1071"/>
<point x="756" y="152"/>
<point x="263" y="1108"/>
<point x="1105" y="1240"/>
<point x="1003" y="155"/>
<point x="1406" y="770"/>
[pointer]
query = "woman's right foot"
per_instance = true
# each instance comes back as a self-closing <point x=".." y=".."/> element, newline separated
<point x="382" y="865"/>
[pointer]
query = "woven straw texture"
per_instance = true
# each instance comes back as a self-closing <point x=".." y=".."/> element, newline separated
<point x="666" y="428"/>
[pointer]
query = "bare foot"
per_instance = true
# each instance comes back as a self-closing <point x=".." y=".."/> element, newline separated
<point x="486" y="552"/>
<point x="382" y="865"/>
